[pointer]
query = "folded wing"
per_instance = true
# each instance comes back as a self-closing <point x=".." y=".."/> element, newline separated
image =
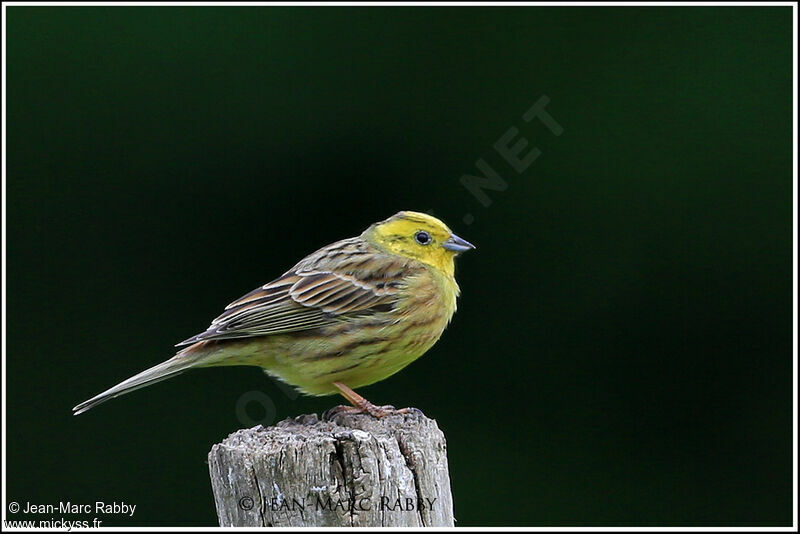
<point x="324" y="289"/>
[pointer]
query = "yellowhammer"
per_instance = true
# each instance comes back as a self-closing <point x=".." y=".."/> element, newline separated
<point x="348" y="315"/>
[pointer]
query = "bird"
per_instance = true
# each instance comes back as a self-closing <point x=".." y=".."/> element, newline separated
<point x="348" y="315"/>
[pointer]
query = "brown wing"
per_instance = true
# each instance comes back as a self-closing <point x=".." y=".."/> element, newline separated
<point x="344" y="280"/>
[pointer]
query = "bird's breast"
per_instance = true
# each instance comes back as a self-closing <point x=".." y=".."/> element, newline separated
<point x="429" y="298"/>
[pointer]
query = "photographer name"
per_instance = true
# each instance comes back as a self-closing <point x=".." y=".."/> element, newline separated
<point x="98" y="508"/>
<point x="351" y="505"/>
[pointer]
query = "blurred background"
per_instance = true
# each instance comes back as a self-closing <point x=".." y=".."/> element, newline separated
<point x="622" y="351"/>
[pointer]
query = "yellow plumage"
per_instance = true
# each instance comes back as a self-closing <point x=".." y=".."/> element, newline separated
<point x="348" y="315"/>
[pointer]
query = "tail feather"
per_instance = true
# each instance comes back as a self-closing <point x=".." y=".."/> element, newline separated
<point x="172" y="367"/>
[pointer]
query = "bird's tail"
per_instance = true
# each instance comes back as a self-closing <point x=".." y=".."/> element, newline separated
<point x="183" y="361"/>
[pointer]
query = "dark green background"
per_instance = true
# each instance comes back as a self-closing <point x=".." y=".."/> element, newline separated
<point x="622" y="350"/>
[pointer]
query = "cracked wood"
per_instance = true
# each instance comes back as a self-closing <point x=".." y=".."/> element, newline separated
<point x="343" y="470"/>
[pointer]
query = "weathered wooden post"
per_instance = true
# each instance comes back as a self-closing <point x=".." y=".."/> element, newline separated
<point x="345" y="470"/>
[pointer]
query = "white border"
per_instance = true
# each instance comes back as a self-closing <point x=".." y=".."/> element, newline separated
<point x="793" y="5"/>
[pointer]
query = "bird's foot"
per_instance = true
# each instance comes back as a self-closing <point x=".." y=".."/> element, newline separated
<point x="368" y="408"/>
<point x="362" y="405"/>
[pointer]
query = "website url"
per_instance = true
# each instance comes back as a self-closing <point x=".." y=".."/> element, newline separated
<point x="61" y="524"/>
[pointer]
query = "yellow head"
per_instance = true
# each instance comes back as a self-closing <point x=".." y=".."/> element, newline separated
<point x="418" y="236"/>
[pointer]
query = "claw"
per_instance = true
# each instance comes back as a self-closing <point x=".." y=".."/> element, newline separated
<point x="338" y="410"/>
<point x="362" y="405"/>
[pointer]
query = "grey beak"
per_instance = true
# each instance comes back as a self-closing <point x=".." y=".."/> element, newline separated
<point x="456" y="244"/>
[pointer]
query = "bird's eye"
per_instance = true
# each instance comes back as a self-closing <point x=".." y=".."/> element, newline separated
<point x="422" y="237"/>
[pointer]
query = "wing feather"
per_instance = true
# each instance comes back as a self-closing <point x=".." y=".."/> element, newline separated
<point x="324" y="289"/>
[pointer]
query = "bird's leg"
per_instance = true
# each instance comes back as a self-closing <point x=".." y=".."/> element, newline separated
<point x="362" y="405"/>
